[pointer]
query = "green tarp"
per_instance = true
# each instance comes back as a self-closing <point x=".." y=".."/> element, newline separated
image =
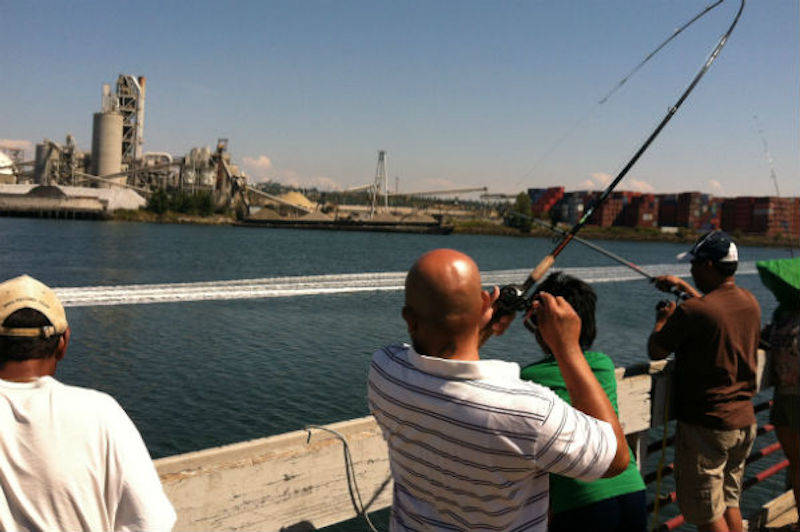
<point x="782" y="277"/>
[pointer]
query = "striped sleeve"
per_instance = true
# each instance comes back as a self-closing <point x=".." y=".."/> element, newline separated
<point x="573" y="444"/>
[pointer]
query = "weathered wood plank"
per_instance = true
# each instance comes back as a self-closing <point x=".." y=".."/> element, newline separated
<point x="776" y="513"/>
<point x="634" y="387"/>
<point x="277" y="482"/>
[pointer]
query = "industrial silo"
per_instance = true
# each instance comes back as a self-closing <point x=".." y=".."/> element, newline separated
<point x="41" y="163"/>
<point x="107" y="144"/>
<point x="45" y="167"/>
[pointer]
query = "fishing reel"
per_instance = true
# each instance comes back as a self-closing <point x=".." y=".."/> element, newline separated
<point x="662" y="304"/>
<point x="680" y="296"/>
<point x="512" y="299"/>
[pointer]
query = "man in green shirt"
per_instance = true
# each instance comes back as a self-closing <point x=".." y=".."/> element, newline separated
<point x="608" y="504"/>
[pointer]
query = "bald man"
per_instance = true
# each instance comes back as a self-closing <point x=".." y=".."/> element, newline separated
<point x="470" y="444"/>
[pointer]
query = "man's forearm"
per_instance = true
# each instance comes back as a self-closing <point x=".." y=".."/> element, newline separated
<point x="654" y="350"/>
<point x="689" y="289"/>
<point x="588" y="396"/>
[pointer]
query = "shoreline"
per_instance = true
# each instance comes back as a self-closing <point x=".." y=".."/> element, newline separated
<point x="474" y="227"/>
<point x="628" y="234"/>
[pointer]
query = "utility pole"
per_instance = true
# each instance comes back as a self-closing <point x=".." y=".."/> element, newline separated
<point x="381" y="184"/>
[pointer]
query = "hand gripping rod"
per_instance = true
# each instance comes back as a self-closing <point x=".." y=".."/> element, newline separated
<point x="514" y="298"/>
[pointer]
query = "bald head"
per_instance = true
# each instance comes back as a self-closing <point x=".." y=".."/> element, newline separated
<point x="443" y="293"/>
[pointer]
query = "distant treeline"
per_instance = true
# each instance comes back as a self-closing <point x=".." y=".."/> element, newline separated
<point x="200" y="203"/>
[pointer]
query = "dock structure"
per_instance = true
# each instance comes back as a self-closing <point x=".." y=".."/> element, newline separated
<point x="300" y="480"/>
<point x="50" y="201"/>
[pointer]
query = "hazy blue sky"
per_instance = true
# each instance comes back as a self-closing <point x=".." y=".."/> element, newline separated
<point x="459" y="93"/>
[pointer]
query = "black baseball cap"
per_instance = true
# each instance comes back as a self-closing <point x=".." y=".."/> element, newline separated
<point x="716" y="246"/>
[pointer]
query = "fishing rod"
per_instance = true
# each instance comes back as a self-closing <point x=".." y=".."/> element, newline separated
<point x="680" y="294"/>
<point x="515" y="297"/>
<point x="619" y="85"/>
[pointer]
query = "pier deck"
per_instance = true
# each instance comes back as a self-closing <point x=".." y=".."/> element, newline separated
<point x="299" y="480"/>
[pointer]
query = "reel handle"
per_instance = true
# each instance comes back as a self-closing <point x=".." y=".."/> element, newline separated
<point x="679" y="294"/>
<point x="511" y="300"/>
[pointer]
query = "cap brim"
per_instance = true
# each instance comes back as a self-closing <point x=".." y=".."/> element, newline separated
<point x="732" y="255"/>
<point x="686" y="256"/>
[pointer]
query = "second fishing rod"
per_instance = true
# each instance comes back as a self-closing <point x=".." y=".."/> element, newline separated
<point x="679" y="294"/>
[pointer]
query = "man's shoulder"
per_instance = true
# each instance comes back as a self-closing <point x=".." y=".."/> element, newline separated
<point x="748" y="295"/>
<point x="731" y="292"/>
<point x="599" y="361"/>
<point x="392" y="350"/>
<point x="724" y="302"/>
<point x="498" y="383"/>
<point x="708" y="306"/>
<point x="80" y="392"/>
<point x="692" y="305"/>
<point x="87" y="400"/>
<point x="390" y="355"/>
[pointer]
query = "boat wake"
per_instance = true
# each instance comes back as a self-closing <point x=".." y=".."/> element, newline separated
<point x="310" y="285"/>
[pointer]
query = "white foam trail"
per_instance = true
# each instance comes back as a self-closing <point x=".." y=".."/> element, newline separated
<point x="137" y="294"/>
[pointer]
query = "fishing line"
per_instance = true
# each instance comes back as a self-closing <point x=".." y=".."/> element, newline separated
<point x="767" y="154"/>
<point x="771" y="163"/>
<point x="553" y="146"/>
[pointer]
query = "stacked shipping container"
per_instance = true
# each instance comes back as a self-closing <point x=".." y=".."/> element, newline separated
<point x="543" y="199"/>
<point x="695" y="210"/>
<point x="642" y="211"/>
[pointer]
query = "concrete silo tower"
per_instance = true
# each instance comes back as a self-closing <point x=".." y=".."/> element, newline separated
<point x="130" y="104"/>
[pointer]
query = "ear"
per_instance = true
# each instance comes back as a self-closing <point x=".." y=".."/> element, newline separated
<point x="411" y="320"/>
<point x="61" y="350"/>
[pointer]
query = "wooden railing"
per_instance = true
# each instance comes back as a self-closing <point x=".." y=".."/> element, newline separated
<point x="298" y="480"/>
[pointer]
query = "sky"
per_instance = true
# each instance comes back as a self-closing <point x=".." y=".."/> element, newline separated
<point x="459" y="93"/>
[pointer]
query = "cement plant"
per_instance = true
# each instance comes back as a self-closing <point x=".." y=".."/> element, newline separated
<point x="63" y="181"/>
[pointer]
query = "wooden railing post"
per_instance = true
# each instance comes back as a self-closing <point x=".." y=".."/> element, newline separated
<point x="638" y="443"/>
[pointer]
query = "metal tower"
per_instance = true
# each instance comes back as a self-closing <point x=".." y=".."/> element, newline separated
<point x="130" y="102"/>
<point x="381" y="185"/>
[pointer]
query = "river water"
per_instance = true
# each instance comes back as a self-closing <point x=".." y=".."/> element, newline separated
<point x="199" y="373"/>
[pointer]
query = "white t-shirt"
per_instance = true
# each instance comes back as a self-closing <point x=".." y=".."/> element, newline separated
<point x="71" y="459"/>
<point x="471" y="444"/>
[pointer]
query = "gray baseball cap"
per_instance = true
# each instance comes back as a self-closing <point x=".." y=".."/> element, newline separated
<point x="716" y="246"/>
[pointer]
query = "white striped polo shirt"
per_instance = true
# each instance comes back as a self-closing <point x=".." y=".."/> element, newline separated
<point x="470" y="444"/>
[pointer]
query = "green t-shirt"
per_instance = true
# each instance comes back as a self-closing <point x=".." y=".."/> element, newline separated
<point x="568" y="493"/>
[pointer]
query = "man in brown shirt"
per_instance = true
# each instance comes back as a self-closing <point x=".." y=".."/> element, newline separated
<point x="714" y="338"/>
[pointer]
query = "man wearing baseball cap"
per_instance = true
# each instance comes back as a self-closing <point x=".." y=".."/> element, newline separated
<point x="714" y="336"/>
<point x="70" y="458"/>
